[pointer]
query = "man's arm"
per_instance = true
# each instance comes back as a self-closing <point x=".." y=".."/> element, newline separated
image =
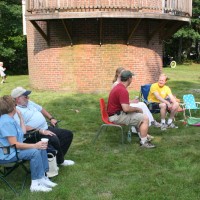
<point x="42" y="132"/>
<point x="127" y="109"/>
<point x="172" y="99"/>
<point x="161" y="99"/>
<point x="49" y="116"/>
<point x="46" y="114"/>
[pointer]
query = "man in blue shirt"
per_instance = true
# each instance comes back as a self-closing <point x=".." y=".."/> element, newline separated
<point x="34" y="118"/>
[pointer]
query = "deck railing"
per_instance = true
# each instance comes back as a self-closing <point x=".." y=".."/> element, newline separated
<point x="176" y="7"/>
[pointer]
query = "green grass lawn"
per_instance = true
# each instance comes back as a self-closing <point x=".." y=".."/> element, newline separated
<point x="108" y="170"/>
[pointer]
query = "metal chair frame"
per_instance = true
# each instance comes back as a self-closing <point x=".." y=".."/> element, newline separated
<point x="107" y="123"/>
<point x="8" y="168"/>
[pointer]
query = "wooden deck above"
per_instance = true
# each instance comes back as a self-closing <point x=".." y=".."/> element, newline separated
<point x="65" y="9"/>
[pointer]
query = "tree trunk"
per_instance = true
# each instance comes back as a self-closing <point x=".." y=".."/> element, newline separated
<point x="197" y="48"/>
<point x="180" y="49"/>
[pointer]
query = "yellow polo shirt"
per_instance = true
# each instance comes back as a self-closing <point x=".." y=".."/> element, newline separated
<point x="162" y="91"/>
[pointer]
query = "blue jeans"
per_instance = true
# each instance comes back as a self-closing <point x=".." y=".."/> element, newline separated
<point x="38" y="161"/>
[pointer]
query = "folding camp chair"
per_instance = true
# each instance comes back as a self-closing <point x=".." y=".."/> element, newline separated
<point x="7" y="168"/>
<point x="190" y="104"/>
<point x="107" y="123"/>
<point x="144" y="92"/>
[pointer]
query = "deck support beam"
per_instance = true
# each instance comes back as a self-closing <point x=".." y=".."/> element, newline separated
<point x="42" y="33"/>
<point x="67" y="31"/>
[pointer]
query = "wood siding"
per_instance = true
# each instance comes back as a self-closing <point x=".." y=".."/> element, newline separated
<point x="172" y="7"/>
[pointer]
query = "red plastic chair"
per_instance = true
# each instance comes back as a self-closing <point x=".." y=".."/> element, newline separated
<point x="107" y="123"/>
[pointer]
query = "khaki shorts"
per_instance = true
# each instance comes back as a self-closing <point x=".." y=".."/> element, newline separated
<point x="133" y="119"/>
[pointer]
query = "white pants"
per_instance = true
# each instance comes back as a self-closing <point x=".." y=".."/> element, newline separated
<point x="145" y="110"/>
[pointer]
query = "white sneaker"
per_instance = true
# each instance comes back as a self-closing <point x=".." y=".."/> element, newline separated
<point x="68" y="163"/>
<point x="172" y="125"/>
<point x="40" y="188"/>
<point x="48" y="183"/>
<point x="156" y="124"/>
<point x="163" y="127"/>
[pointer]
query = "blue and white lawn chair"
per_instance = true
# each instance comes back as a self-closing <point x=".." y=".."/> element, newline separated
<point x="190" y="104"/>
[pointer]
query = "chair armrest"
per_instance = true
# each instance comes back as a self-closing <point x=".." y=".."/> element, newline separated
<point x="144" y="100"/>
<point x="182" y="104"/>
<point x="6" y="149"/>
<point x="49" y="123"/>
<point x="31" y="133"/>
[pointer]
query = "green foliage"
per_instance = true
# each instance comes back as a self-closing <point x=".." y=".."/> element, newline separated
<point x="190" y="34"/>
<point x="13" y="50"/>
<point x="187" y="33"/>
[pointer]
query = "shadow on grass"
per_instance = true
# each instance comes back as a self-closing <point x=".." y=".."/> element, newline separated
<point x="180" y="88"/>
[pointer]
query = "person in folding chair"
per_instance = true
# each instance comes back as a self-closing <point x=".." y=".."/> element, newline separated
<point x="136" y="103"/>
<point x="11" y="133"/>
<point x="161" y="96"/>
<point x="120" y="111"/>
<point x="34" y="118"/>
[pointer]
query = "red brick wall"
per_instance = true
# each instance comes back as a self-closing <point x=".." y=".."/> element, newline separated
<point x="86" y="66"/>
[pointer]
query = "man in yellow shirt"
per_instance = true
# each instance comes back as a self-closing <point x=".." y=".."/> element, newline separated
<point x="162" y="97"/>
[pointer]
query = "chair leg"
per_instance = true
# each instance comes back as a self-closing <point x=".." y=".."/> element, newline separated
<point x="184" y="115"/>
<point x="12" y="188"/>
<point x="98" y="133"/>
<point x="105" y="126"/>
<point x="22" y="188"/>
<point x="122" y="132"/>
<point x="190" y="113"/>
<point x="8" y="184"/>
<point x="24" y="180"/>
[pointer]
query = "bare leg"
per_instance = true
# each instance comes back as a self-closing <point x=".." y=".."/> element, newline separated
<point x="143" y="129"/>
<point x="174" y="109"/>
<point x="163" y="110"/>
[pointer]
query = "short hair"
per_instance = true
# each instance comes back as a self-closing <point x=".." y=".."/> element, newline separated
<point x="164" y="75"/>
<point x="125" y="75"/>
<point x="7" y="104"/>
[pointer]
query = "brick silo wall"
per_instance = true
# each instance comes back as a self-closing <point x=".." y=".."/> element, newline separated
<point x="86" y="66"/>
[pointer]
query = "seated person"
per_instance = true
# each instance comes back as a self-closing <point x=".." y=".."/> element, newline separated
<point x="34" y="118"/>
<point x="117" y="78"/>
<point x="161" y="96"/>
<point x="120" y="111"/>
<point x="11" y="133"/>
<point x="135" y="102"/>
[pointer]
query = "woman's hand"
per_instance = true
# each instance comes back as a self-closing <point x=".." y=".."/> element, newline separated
<point x="41" y="145"/>
<point x="23" y="126"/>
<point x="19" y="113"/>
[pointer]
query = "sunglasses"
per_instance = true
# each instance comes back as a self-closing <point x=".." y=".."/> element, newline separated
<point x="25" y="96"/>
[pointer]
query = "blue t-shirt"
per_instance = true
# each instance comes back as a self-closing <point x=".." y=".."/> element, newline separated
<point x="32" y="116"/>
<point x="9" y="127"/>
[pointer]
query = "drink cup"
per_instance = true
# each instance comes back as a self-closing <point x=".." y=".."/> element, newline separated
<point x="45" y="140"/>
